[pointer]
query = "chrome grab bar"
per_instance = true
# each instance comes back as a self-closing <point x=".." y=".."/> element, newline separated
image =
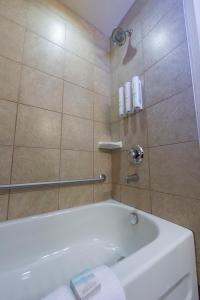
<point x="99" y="179"/>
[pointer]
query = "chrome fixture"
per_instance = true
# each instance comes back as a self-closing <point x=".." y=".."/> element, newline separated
<point x="136" y="155"/>
<point x="134" y="218"/>
<point x="132" y="178"/>
<point x="100" y="178"/>
<point x="119" y="36"/>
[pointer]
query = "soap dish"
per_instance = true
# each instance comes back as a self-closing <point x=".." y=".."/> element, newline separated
<point x="109" y="145"/>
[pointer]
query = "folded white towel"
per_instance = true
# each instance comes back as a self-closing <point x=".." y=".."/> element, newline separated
<point x="62" y="293"/>
<point x="111" y="288"/>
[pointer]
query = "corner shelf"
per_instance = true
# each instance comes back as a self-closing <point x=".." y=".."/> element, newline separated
<point x="109" y="145"/>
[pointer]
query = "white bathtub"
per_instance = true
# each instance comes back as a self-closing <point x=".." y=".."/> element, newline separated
<point x="38" y="254"/>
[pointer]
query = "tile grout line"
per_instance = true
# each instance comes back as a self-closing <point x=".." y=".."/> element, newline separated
<point x="21" y="62"/>
<point x="157" y="191"/>
<point x="158" y="61"/>
<point x="54" y="111"/>
<point x="169" y="97"/>
<point x="143" y="36"/>
<point x="160" y="20"/>
<point x="32" y="31"/>
<point x="148" y="154"/>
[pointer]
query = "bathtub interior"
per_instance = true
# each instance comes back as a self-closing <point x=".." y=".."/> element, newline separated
<point x="58" y="246"/>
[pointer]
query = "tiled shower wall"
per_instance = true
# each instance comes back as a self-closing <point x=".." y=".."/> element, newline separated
<point x="55" y="103"/>
<point x="169" y="184"/>
<point x="54" y="106"/>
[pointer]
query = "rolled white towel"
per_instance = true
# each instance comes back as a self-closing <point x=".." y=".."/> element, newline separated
<point x="128" y="98"/>
<point x="121" y="102"/>
<point x="62" y="293"/>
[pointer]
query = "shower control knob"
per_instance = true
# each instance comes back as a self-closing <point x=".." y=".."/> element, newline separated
<point x="136" y="154"/>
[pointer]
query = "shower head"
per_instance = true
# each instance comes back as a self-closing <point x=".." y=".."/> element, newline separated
<point x="119" y="36"/>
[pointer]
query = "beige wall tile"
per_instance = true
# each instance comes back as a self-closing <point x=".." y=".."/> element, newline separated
<point x="43" y="55"/>
<point x="132" y="64"/>
<point x="116" y="192"/>
<point x="102" y="165"/>
<point x="8" y="111"/>
<point x="5" y="163"/>
<point x="76" y="41"/>
<point x="35" y="164"/>
<point x="179" y="210"/>
<point x="101" y="133"/>
<point x="37" y="127"/>
<point x="76" y="164"/>
<point x="168" y="77"/>
<point x="41" y="90"/>
<point x="100" y="40"/>
<point x="3" y="207"/>
<point x="101" y="108"/>
<point x="9" y="79"/>
<point x="75" y="196"/>
<point x="198" y="273"/>
<point x="114" y="109"/>
<point x="40" y="96"/>
<point x="153" y="12"/>
<point x="166" y="36"/>
<point x="26" y="204"/>
<point x="172" y="170"/>
<point x="42" y="21"/>
<point x="102" y="192"/>
<point x="137" y="198"/>
<point x="173" y="120"/>
<point x="77" y="133"/>
<point x="197" y="245"/>
<point x="77" y="101"/>
<point x="80" y="24"/>
<point x="133" y="130"/>
<point x="115" y="131"/>
<point x="59" y="8"/>
<point x="115" y="60"/>
<point x="12" y="37"/>
<point x="102" y="58"/>
<point x="14" y="10"/>
<point x="102" y="82"/>
<point x="176" y="209"/>
<point x="116" y="166"/>
<point x="116" y="81"/>
<point x="79" y="71"/>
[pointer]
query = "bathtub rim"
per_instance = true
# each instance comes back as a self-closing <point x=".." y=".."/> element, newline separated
<point x="110" y="202"/>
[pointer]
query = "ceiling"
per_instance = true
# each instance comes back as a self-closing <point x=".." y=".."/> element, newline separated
<point x="104" y="14"/>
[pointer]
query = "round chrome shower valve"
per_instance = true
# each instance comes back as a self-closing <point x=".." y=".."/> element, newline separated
<point x="136" y="154"/>
<point x="119" y="36"/>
